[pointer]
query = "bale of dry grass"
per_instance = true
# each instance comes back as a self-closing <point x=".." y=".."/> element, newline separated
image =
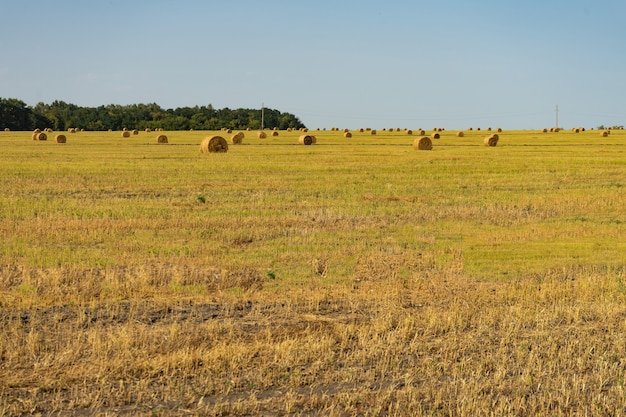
<point x="499" y="130"/>
<point x="409" y="132"/>
<point x="604" y="133"/>
<point x="213" y="144"/>
<point x="261" y="134"/>
<point x="135" y="132"/>
<point x="361" y="130"/>
<point x="148" y="130"/>
<point x="125" y="134"/>
<point x="161" y="139"/>
<point x="37" y="130"/>
<point x="347" y="135"/>
<point x="423" y="144"/>
<point x="373" y="132"/>
<point x="42" y="136"/>
<point x="306" y="140"/>
<point x="60" y="138"/>
<point x="478" y="128"/>
<point x="491" y="140"/>
<point x="544" y="130"/>
<point x="470" y="128"/>
<point x="237" y="138"/>
<point x="6" y="129"/>
<point x="275" y="133"/>
<point x="435" y="135"/>
<point x="460" y="134"/>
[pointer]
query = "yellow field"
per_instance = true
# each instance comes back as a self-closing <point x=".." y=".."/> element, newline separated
<point x="355" y="276"/>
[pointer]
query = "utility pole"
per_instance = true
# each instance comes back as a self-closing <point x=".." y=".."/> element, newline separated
<point x="557" y="116"/>
<point x="262" y="115"/>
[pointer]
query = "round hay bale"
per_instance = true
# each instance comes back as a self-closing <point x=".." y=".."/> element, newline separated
<point x="347" y="135"/>
<point x="435" y="135"/>
<point x="488" y="129"/>
<point x="213" y="144"/>
<point x="237" y="138"/>
<point x="409" y="132"/>
<point x="60" y="138"/>
<point x="135" y="132"/>
<point x="478" y="128"/>
<point x="248" y="129"/>
<point x="420" y="132"/>
<point x="423" y="144"/>
<point x="229" y="131"/>
<point x="306" y="140"/>
<point x="499" y="130"/>
<point x="125" y="134"/>
<point x="275" y="128"/>
<point x="491" y="140"/>
<point x="125" y="129"/>
<point x="604" y="133"/>
<point x="275" y="133"/>
<point x="373" y="132"/>
<point x="460" y="134"/>
<point x="161" y="139"/>
<point x="261" y="134"/>
<point x="6" y="129"/>
<point x="544" y="130"/>
<point x="470" y="128"/>
<point x="37" y="130"/>
<point x="361" y="130"/>
<point x="42" y="136"/>
<point x="148" y="130"/>
<point x="582" y="129"/>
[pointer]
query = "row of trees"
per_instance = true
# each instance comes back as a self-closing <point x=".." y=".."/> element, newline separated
<point x="16" y="115"/>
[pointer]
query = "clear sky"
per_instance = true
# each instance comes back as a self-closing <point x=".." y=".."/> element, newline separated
<point x="340" y="63"/>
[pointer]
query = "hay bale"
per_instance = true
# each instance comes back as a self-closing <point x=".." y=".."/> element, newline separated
<point x="148" y="130"/>
<point x="347" y="135"/>
<point x="261" y="134"/>
<point x="237" y="138"/>
<point x="213" y="144"/>
<point x="60" y="138"/>
<point x="361" y="130"/>
<point x="373" y="132"/>
<point x="488" y="129"/>
<point x="491" y="140"/>
<point x="423" y="144"/>
<point x="161" y="139"/>
<point x="409" y="132"/>
<point x="420" y="132"/>
<point x="604" y="133"/>
<point x="275" y="133"/>
<point x="460" y="134"/>
<point x="544" y="130"/>
<point x="499" y="130"/>
<point x="125" y="134"/>
<point x="470" y="128"/>
<point x="248" y="129"/>
<point x="6" y="129"/>
<point x="306" y="140"/>
<point x="42" y="136"/>
<point x="435" y="135"/>
<point x="135" y="132"/>
<point x="478" y="128"/>
<point x="37" y="130"/>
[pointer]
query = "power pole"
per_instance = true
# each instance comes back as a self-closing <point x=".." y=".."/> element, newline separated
<point x="262" y="115"/>
<point x="557" y="116"/>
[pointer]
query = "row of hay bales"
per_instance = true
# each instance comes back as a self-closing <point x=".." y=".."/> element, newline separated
<point x="425" y="143"/>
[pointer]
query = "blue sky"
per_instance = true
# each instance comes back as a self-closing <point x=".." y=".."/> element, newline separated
<point x="342" y="63"/>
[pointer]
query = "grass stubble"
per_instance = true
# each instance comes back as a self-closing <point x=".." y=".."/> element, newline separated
<point x="352" y="277"/>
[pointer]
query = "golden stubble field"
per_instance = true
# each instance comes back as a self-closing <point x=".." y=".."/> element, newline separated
<point x="355" y="276"/>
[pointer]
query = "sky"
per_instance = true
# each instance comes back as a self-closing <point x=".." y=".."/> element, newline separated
<point x="333" y="63"/>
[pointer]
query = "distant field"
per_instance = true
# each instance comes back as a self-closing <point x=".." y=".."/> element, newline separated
<point x="355" y="276"/>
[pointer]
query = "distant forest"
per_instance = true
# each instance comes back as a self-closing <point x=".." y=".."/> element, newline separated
<point x="16" y="115"/>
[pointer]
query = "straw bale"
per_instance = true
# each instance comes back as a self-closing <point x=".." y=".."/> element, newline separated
<point x="306" y="140"/>
<point x="60" y="138"/>
<point x="423" y="144"/>
<point x="491" y="140"/>
<point x="213" y="144"/>
<point x="161" y="139"/>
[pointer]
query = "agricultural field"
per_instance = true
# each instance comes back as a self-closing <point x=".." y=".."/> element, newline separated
<point x="352" y="277"/>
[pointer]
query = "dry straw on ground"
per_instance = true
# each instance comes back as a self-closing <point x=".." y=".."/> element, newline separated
<point x="306" y="140"/>
<point x="237" y="138"/>
<point x="213" y="144"/>
<point x="491" y="140"/>
<point x="261" y="134"/>
<point x="60" y="138"/>
<point x="423" y="144"/>
<point x="161" y="139"/>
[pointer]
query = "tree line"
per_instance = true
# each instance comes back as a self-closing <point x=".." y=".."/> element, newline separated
<point x="59" y="115"/>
